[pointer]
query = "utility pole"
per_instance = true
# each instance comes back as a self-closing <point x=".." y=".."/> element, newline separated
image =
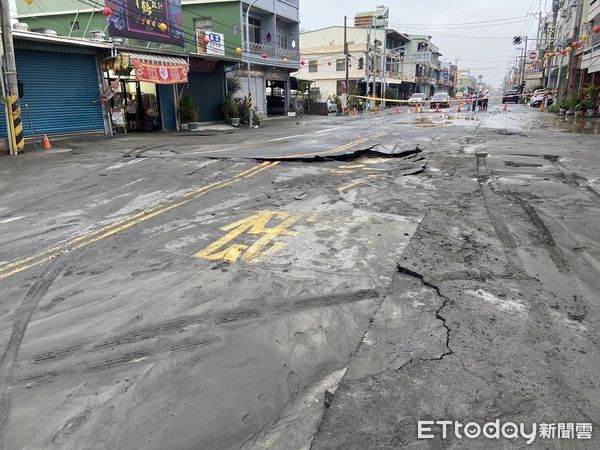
<point x="15" y="126"/>
<point x="347" y="57"/>
<point x="368" y="61"/>
<point x="524" y="64"/>
<point x="570" y="68"/>
<point x="384" y="67"/>
<point x="250" y="106"/>
<point x="553" y="40"/>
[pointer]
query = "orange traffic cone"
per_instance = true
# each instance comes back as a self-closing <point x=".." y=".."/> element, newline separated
<point x="458" y="110"/>
<point x="397" y="109"/>
<point x="46" y="141"/>
<point x="542" y="107"/>
<point x="505" y="107"/>
<point x="437" y="108"/>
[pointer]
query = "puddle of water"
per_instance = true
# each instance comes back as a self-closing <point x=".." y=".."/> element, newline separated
<point x="581" y="125"/>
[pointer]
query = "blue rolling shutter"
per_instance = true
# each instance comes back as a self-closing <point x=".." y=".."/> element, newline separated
<point x="166" y="97"/>
<point x="61" y="91"/>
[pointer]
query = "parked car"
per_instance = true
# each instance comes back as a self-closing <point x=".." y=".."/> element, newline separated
<point x="417" y="99"/>
<point x="441" y="99"/>
<point x="331" y="106"/>
<point x="511" y="95"/>
<point x="537" y="98"/>
<point x="459" y="95"/>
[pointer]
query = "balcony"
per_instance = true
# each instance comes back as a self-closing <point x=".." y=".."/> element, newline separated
<point x="272" y="51"/>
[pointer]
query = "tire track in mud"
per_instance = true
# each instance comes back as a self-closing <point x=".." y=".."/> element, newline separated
<point x="22" y="317"/>
<point x="577" y="310"/>
<point x="144" y="342"/>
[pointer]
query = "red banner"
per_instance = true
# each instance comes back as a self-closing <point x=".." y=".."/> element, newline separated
<point x="161" y="74"/>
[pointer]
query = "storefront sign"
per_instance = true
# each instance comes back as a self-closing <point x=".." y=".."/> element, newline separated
<point x="210" y="43"/>
<point x="158" y="74"/>
<point x="148" y="20"/>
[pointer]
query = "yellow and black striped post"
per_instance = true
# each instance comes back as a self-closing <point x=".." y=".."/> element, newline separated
<point x="16" y="124"/>
<point x="250" y="101"/>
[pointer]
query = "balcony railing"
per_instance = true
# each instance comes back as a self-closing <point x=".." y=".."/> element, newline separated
<point x="272" y="50"/>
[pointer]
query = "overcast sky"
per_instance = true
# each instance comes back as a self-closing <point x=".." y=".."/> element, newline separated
<point x="443" y="20"/>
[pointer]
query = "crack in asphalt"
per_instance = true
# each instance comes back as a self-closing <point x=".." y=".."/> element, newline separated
<point x="438" y="312"/>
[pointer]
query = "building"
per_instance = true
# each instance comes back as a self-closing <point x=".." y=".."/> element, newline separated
<point x="411" y="61"/>
<point x="378" y="19"/>
<point x="213" y="41"/>
<point x="572" y="46"/>
<point x="60" y="79"/>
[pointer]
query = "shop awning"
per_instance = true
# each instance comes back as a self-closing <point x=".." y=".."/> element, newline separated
<point x="152" y="68"/>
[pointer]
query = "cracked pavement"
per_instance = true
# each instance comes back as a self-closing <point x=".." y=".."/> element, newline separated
<point x="317" y="283"/>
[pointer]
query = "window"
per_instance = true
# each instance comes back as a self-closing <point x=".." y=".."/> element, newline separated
<point x="75" y="26"/>
<point x="205" y="23"/>
<point x="254" y="30"/>
<point x="313" y="66"/>
<point x="282" y="36"/>
<point x="340" y="65"/>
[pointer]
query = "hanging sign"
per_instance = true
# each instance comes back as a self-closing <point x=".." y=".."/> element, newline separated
<point x="161" y="74"/>
<point x="210" y="43"/>
<point x="147" y="20"/>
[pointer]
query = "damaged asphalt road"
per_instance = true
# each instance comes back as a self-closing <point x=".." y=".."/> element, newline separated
<point x="215" y="295"/>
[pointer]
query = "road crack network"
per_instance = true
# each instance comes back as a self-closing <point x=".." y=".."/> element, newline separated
<point x="438" y="312"/>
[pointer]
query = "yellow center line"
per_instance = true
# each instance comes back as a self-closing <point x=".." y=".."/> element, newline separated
<point x="86" y="239"/>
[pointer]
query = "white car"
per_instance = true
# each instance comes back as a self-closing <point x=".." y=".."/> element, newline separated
<point x="417" y="99"/>
<point x="538" y="97"/>
<point x="331" y="106"/>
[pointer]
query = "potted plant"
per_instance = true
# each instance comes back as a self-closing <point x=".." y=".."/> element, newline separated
<point x="572" y="106"/>
<point x="553" y="108"/>
<point x="583" y="106"/>
<point x="591" y="93"/>
<point x="188" y="113"/>
<point x="234" y="113"/>
<point x="226" y="108"/>
<point x="563" y="106"/>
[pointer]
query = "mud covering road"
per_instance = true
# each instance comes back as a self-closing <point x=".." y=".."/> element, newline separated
<point x="213" y="293"/>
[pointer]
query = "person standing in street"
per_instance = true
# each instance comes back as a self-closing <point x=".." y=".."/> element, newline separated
<point x="360" y="106"/>
<point x="486" y="98"/>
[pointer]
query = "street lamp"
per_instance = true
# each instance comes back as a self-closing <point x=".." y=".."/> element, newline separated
<point x="250" y="112"/>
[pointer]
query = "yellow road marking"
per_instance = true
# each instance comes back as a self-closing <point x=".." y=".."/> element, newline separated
<point x="353" y="166"/>
<point x="253" y="225"/>
<point x="111" y="229"/>
<point x="86" y="239"/>
<point x="335" y="150"/>
<point x="348" y="186"/>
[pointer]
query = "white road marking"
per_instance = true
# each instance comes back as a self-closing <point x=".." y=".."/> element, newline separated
<point x="11" y="219"/>
<point x="329" y="129"/>
<point x="128" y="163"/>
<point x="286" y="137"/>
<point x="133" y="182"/>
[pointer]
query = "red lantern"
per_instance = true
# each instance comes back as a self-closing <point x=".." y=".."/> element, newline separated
<point x="264" y="56"/>
<point x="576" y="44"/>
<point x="329" y="63"/>
<point x="106" y="11"/>
<point x="597" y="29"/>
<point x="302" y="62"/>
<point x="206" y="40"/>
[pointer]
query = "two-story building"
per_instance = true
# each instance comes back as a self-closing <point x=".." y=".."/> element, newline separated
<point x="212" y="44"/>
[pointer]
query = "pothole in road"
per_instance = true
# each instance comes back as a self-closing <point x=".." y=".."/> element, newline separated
<point x="424" y="122"/>
<point x="383" y="154"/>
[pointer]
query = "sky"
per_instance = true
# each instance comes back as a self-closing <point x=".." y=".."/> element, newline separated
<point x="486" y="48"/>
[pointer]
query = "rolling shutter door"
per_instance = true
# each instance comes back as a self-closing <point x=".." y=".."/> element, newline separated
<point x="61" y="91"/>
